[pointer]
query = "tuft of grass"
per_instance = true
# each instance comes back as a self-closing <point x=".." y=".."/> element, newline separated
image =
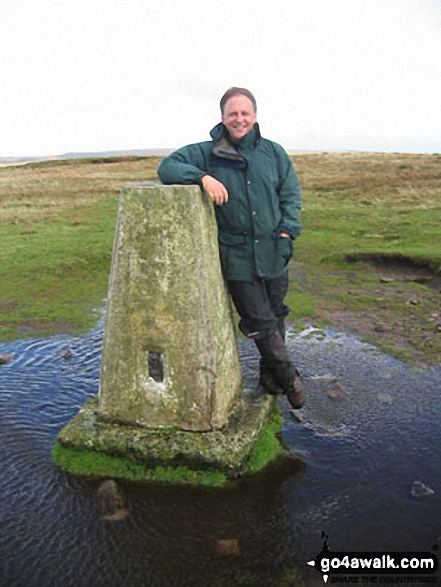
<point x="302" y="305"/>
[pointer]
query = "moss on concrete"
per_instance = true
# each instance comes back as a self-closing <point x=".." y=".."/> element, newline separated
<point x="92" y="448"/>
<point x="89" y="463"/>
<point x="268" y="446"/>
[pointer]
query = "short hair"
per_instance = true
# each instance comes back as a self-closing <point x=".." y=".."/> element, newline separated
<point x="236" y="92"/>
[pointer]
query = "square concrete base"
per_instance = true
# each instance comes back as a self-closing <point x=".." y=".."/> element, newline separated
<point x="232" y="450"/>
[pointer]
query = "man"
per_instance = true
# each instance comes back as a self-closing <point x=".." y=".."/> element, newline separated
<point x="257" y="198"/>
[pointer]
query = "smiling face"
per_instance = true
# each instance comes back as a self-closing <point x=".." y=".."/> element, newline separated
<point x="239" y="116"/>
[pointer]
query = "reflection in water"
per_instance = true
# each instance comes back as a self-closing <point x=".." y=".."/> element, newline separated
<point x="352" y="473"/>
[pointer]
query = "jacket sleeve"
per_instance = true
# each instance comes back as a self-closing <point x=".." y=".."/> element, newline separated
<point x="184" y="166"/>
<point x="290" y="196"/>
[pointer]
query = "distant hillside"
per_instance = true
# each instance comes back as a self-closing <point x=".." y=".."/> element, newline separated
<point x="133" y="152"/>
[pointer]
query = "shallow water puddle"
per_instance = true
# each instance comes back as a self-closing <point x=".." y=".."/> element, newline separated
<point x="364" y="468"/>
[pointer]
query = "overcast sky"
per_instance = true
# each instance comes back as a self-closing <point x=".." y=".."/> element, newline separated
<point x="100" y="75"/>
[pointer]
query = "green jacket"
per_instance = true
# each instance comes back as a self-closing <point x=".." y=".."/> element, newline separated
<point x="264" y="199"/>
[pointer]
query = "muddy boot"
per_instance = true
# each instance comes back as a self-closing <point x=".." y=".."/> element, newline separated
<point x="296" y="394"/>
<point x="279" y="372"/>
<point x="290" y="379"/>
<point x="281" y="328"/>
<point x="266" y="379"/>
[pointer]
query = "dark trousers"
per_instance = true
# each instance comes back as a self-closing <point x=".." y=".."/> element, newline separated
<point x="260" y="305"/>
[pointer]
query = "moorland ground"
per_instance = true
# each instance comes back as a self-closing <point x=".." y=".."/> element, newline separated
<point x="368" y="261"/>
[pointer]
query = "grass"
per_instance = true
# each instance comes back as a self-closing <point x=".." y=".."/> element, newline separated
<point x="375" y="202"/>
<point x="57" y="222"/>
<point x="370" y="205"/>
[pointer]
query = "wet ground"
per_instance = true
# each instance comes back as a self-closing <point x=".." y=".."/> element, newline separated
<point x="364" y="468"/>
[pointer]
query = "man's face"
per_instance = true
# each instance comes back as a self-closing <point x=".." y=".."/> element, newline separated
<point x="239" y="116"/>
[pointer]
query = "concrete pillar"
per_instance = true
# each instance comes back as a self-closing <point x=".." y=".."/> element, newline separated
<point x="169" y="354"/>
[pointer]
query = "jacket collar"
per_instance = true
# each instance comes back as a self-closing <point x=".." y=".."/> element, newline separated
<point x="224" y="146"/>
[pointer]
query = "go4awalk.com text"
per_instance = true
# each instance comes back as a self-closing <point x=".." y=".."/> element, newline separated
<point x="377" y="568"/>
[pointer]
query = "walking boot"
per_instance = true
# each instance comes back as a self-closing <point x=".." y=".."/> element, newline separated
<point x="289" y="377"/>
<point x="281" y="328"/>
<point x="266" y="379"/>
<point x="296" y="394"/>
<point x="277" y="363"/>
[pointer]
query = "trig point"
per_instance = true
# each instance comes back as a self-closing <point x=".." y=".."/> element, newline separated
<point x="170" y="387"/>
<point x="169" y="355"/>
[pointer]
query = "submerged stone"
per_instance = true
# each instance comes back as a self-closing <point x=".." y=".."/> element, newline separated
<point x="420" y="490"/>
<point x="228" y="546"/>
<point x="114" y="501"/>
<point x="6" y="359"/>
<point x="338" y="392"/>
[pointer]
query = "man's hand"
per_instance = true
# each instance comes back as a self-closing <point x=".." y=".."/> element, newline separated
<point x="215" y="189"/>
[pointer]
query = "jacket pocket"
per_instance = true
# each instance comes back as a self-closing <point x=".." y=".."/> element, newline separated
<point x="284" y="250"/>
<point x="234" y="255"/>
<point x="232" y="239"/>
